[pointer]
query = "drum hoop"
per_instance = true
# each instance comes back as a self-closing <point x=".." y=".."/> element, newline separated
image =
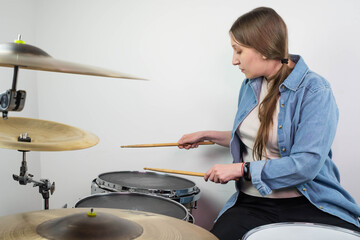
<point x="165" y="191"/>
<point x="185" y="199"/>
<point x="320" y="225"/>
<point x="186" y="218"/>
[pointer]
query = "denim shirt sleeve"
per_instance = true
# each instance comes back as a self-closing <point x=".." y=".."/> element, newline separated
<point x="308" y="118"/>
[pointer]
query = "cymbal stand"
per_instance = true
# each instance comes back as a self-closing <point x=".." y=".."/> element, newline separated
<point x="45" y="187"/>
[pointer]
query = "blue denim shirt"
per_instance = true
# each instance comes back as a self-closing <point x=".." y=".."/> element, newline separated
<point x="306" y="129"/>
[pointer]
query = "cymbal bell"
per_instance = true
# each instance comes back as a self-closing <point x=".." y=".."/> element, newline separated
<point x="30" y="57"/>
<point x="76" y="224"/>
<point x="44" y="135"/>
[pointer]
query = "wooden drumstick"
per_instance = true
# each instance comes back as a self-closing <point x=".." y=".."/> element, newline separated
<point x="197" y="174"/>
<point x="163" y="145"/>
<point x="176" y="172"/>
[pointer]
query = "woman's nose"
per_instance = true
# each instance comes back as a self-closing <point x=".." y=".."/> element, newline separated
<point x="235" y="61"/>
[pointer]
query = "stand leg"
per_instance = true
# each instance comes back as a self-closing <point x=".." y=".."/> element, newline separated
<point x="46" y="204"/>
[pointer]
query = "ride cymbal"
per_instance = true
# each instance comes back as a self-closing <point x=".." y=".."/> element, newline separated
<point x="78" y="224"/>
<point x="30" y="57"/>
<point x="29" y="134"/>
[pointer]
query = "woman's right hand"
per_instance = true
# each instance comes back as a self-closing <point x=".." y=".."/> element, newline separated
<point x="191" y="140"/>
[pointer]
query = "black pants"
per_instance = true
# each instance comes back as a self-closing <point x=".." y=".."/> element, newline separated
<point x="250" y="212"/>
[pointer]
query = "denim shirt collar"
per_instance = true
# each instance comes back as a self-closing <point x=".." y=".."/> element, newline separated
<point x="293" y="81"/>
<point x="297" y="75"/>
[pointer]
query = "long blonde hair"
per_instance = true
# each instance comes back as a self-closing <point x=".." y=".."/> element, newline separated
<point x="265" y="31"/>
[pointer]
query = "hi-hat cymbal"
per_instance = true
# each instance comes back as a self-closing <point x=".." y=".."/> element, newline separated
<point x="30" y="57"/>
<point x="75" y="224"/>
<point x="44" y="135"/>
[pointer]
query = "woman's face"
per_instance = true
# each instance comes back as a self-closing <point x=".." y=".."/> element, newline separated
<point x="250" y="61"/>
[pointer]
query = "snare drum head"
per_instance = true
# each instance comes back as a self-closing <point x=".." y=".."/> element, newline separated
<point x="146" y="180"/>
<point x="135" y="201"/>
<point x="300" y="231"/>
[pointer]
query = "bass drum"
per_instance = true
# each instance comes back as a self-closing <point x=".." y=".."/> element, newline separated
<point x="176" y="188"/>
<point x="300" y="231"/>
<point x="135" y="201"/>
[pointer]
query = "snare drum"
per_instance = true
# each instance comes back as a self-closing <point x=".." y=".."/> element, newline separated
<point x="300" y="231"/>
<point x="135" y="201"/>
<point x="176" y="188"/>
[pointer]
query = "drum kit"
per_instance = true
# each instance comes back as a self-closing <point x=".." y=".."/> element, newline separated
<point x="123" y="205"/>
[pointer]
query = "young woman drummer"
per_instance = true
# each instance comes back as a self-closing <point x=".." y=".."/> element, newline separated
<point x="281" y="138"/>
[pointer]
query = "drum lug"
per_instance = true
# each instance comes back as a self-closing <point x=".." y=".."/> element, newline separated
<point x="173" y="194"/>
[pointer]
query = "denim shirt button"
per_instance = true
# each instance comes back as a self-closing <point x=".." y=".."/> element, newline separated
<point x="282" y="105"/>
<point x="283" y="149"/>
<point x="321" y="207"/>
<point x="280" y="126"/>
<point x="304" y="189"/>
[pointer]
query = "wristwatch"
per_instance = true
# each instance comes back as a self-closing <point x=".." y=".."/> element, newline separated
<point x="247" y="171"/>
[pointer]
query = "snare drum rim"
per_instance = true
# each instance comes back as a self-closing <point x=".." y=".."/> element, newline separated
<point x="185" y="199"/>
<point x="173" y="192"/>
<point x="301" y="224"/>
<point x="186" y="218"/>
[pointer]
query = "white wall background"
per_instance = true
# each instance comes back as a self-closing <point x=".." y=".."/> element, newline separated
<point x="183" y="48"/>
<point x="18" y="17"/>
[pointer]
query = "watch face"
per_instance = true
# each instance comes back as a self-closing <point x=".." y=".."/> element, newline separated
<point x="247" y="171"/>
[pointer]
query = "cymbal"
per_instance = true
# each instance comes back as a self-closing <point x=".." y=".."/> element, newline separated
<point x="30" y="57"/>
<point x="45" y="135"/>
<point x="76" y="224"/>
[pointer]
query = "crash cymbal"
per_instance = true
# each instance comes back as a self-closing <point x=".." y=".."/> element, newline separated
<point x="30" y="57"/>
<point x="79" y="224"/>
<point x="44" y="135"/>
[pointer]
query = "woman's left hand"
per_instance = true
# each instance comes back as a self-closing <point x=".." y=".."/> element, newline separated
<point x="222" y="173"/>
